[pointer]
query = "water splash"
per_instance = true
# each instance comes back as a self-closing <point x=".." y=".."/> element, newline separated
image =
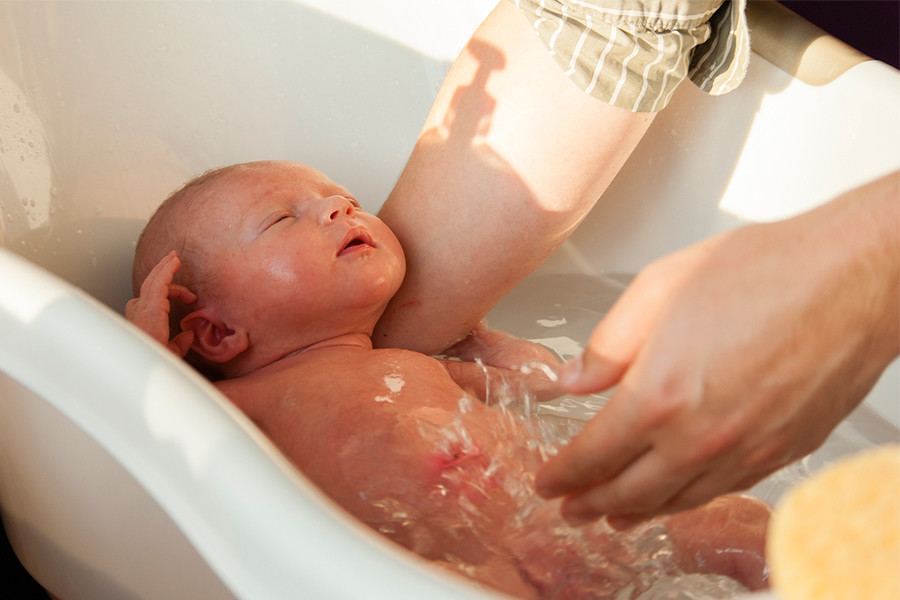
<point x="482" y="508"/>
<point x="394" y="383"/>
<point x="516" y="525"/>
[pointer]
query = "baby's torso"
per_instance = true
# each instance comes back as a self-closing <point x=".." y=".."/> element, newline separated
<point x="391" y="436"/>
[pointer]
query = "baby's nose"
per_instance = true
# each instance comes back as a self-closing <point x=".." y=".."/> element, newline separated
<point x="333" y="207"/>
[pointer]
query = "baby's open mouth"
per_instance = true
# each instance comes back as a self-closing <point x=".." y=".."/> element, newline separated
<point x="354" y="238"/>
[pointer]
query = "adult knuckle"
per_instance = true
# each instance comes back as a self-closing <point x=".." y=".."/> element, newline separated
<point x="770" y="454"/>
<point x="667" y="407"/>
<point x="717" y="438"/>
<point x="619" y="501"/>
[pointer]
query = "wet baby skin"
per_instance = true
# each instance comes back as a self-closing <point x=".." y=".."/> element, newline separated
<point x="283" y="280"/>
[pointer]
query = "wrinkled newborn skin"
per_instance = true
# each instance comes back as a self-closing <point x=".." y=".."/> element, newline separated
<point x="386" y="439"/>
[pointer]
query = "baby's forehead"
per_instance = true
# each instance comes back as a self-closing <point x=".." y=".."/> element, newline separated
<point x="259" y="182"/>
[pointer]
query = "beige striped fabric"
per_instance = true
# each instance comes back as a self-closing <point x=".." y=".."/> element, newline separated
<point x="633" y="54"/>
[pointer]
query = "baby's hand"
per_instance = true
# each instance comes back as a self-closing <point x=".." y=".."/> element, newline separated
<point x="502" y="350"/>
<point x="535" y="364"/>
<point x="150" y="311"/>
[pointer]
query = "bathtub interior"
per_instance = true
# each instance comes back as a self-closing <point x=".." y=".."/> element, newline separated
<point x="107" y="107"/>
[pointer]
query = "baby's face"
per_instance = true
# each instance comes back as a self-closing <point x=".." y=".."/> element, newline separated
<point x="292" y="251"/>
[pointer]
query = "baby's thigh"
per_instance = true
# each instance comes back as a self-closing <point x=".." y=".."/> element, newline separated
<point x="725" y="536"/>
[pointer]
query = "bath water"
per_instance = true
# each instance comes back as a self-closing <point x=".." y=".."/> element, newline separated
<point x="496" y="500"/>
<point x="560" y="311"/>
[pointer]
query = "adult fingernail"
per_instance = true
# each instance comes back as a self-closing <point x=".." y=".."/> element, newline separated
<point x="570" y="373"/>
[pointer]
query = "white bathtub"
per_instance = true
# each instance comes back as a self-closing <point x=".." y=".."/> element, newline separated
<point x="122" y="473"/>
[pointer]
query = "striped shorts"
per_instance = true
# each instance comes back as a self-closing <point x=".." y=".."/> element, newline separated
<point x="633" y="53"/>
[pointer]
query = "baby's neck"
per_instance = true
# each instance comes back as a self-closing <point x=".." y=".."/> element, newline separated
<point x="349" y="340"/>
<point x="358" y="341"/>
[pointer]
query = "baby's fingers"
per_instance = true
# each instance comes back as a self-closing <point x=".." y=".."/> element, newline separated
<point x="156" y="284"/>
<point x="179" y="292"/>
<point x="131" y="308"/>
<point x="150" y="311"/>
<point x="181" y="343"/>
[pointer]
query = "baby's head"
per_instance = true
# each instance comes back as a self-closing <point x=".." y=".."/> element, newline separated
<point x="280" y="258"/>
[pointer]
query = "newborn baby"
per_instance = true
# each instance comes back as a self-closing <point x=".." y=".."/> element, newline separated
<point x="270" y="278"/>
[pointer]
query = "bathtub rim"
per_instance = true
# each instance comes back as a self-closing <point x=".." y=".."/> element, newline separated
<point x="265" y="472"/>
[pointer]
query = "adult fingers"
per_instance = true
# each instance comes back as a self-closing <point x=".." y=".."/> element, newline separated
<point x="644" y="488"/>
<point x="607" y="444"/>
<point x="709" y="484"/>
<point x="605" y="359"/>
<point x="617" y="340"/>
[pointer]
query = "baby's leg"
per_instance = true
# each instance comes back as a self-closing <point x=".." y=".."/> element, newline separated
<point x="726" y="536"/>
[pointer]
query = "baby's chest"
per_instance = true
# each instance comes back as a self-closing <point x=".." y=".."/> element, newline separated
<point x="399" y="394"/>
<point x="386" y="380"/>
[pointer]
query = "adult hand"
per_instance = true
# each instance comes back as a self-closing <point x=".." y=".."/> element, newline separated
<point x="734" y="357"/>
<point x="150" y="310"/>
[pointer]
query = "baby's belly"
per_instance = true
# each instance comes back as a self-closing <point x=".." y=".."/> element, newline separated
<point x="444" y="485"/>
<point x="452" y="480"/>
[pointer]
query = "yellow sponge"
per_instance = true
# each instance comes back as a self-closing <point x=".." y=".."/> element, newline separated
<point x="836" y="536"/>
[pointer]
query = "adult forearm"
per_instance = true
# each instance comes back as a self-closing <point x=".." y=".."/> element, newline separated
<point x="876" y="229"/>
<point x="509" y="161"/>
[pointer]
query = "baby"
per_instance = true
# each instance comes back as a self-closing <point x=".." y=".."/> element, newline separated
<point x="270" y="278"/>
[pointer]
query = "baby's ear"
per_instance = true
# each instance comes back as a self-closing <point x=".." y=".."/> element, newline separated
<point x="213" y="340"/>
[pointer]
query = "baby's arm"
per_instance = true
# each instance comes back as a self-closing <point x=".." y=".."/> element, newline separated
<point x="150" y="310"/>
<point x="502" y="350"/>
<point x="506" y="360"/>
